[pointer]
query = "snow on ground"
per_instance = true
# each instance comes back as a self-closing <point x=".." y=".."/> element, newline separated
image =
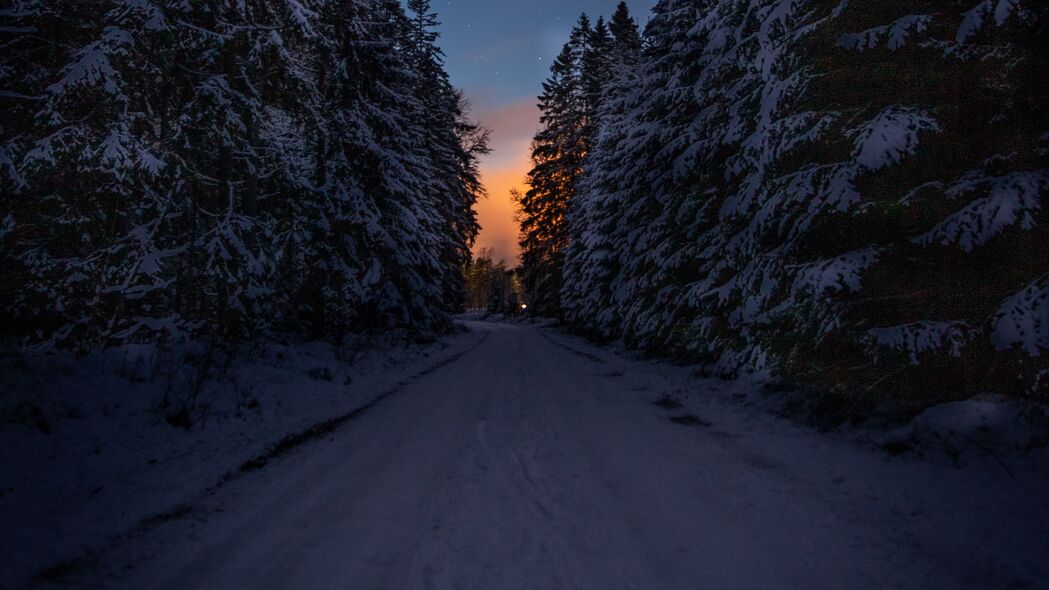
<point x="957" y="496"/>
<point x="86" y="453"/>
<point x="538" y="460"/>
<point x="983" y="427"/>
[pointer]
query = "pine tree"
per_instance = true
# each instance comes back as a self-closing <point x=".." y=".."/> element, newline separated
<point x="595" y="71"/>
<point x="789" y="187"/>
<point x="224" y="169"/>
<point x="219" y="111"/>
<point x="626" y="37"/>
<point x="94" y="177"/>
<point x="632" y="240"/>
<point x="453" y="145"/>
<point x="557" y="157"/>
<point x="28" y="64"/>
<point x="590" y="259"/>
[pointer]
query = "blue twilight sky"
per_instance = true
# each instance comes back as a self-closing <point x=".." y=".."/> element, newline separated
<point x="499" y="52"/>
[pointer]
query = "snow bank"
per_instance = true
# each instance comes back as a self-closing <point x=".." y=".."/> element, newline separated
<point x="986" y="424"/>
<point x="87" y="450"/>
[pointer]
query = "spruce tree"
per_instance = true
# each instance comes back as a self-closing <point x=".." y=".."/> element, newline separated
<point x="595" y="71"/>
<point x="787" y="187"/>
<point x="452" y="145"/>
<point x="626" y="36"/>
<point x="590" y="261"/>
<point x="93" y="178"/>
<point x="227" y="169"/>
<point x="557" y="157"/>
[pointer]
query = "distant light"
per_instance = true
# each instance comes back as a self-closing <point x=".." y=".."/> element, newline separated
<point x="523" y="306"/>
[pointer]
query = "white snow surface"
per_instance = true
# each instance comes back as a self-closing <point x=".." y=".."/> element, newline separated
<point x="109" y="460"/>
<point x="895" y="34"/>
<point x="1014" y="198"/>
<point x="890" y="136"/>
<point x="974" y="18"/>
<point x="1024" y="319"/>
<point x="994" y="425"/>
<point x="919" y="337"/>
<point x="537" y="460"/>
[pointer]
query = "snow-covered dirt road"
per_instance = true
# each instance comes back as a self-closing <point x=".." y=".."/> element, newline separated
<point x="537" y="461"/>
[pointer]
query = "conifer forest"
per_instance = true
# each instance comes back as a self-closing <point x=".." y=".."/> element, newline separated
<point x="477" y="294"/>
<point x="848" y="193"/>
<point x="220" y="169"/>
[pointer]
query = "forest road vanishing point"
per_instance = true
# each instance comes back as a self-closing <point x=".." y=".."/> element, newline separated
<point x="532" y="463"/>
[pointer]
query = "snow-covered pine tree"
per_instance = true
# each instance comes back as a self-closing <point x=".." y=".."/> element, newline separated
<point x="383" y="173"/>
<point x="224" y="168"/>
<point x="791" y="188"/>
<point x="595" y="71"/>
<point x="956" y="303"/>
<point x="283" y="58"/>
<point x="28" y="63"/>
<point x="642" y="157"/>
<point x="453" y="145"/>
<point x="558" y="150"/>
<point x="322" y="238"/>
<point x="592" y="214"/>
<point x="227" y="56"/>
<point x="92" y="176"/>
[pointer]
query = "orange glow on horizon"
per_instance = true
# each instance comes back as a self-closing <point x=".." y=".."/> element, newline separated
<point x="496" y="212"/>
<point x="505" y="169"/>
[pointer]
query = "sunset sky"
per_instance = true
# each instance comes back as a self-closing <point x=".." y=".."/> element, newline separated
<point x="499" y="52"/>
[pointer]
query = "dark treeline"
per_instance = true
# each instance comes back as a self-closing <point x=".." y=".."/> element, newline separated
<point x="595" y="58"/>
<point x="492" y="287"/>
<point x="229" y="168"/>
<point x="849" y="194"/>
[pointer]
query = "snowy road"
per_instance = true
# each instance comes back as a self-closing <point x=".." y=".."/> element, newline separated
<point x="527" y="465"/>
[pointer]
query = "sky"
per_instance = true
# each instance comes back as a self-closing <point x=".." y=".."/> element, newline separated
<point x="499" y="53"/>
